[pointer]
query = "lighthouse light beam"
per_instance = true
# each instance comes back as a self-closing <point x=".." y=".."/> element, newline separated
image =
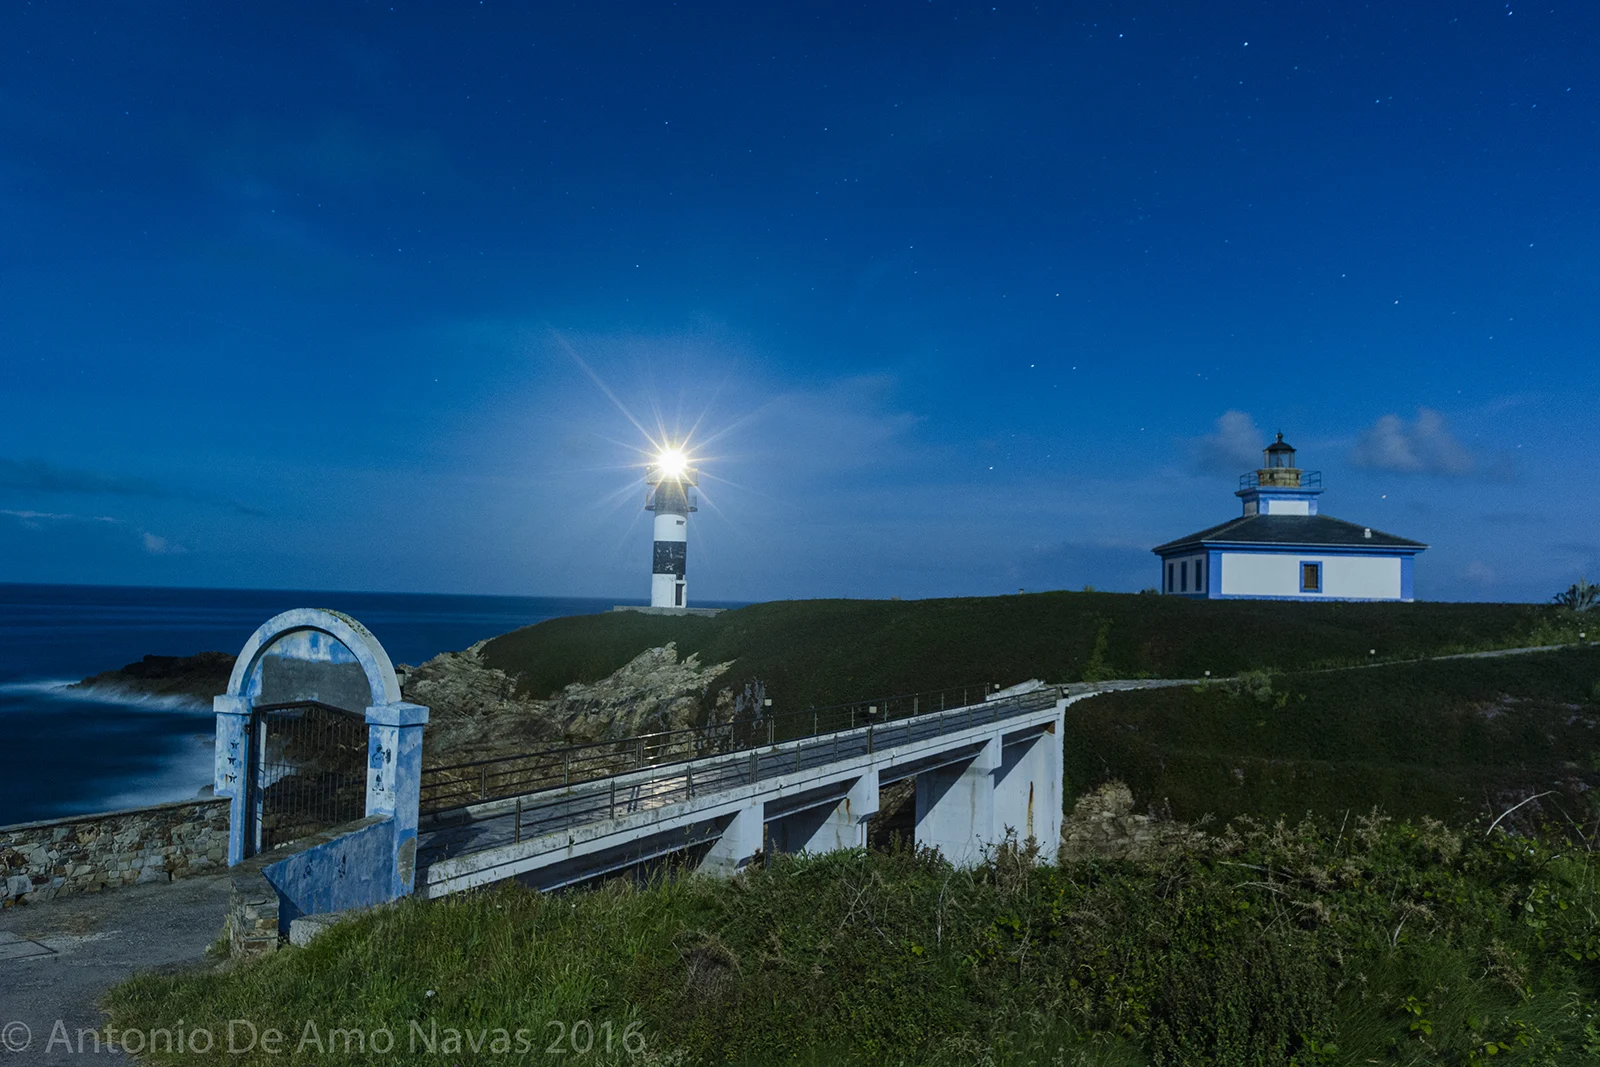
<point x="672" y="463"/>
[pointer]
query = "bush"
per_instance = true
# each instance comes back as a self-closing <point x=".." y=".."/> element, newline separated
<point x="1580" y="597"/>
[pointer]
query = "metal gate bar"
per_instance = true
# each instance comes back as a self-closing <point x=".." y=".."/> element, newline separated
<point x="309" y="771"/>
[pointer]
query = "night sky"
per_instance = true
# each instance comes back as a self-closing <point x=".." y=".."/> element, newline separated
<point x="952" y="298"/>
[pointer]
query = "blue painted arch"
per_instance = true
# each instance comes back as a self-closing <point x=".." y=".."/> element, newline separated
<point x="308" y="627"/>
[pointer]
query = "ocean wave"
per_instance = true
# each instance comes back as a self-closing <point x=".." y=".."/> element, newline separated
<point x="67" y="689"/>
<point x="183" y="776"/>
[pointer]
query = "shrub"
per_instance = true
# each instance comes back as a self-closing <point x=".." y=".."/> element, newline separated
<point x="1097" y="669"/>
<point x="1581" y="596"/>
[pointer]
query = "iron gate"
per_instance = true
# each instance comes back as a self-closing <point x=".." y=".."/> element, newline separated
<point x="309" y="771"/>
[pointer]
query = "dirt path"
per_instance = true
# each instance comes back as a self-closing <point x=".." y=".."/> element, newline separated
<point x="57" y="959"/>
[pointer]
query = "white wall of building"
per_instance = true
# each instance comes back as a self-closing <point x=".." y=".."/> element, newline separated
<point x="1366" y="577"/>
<point x="664" y="592"/>
<point x="1278" y="574"/>
<point x="1286" y="507"/>
<point x="670" y="527"/>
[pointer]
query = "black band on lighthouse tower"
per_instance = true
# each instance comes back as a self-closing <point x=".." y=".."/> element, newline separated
<point x="670" y="558"/>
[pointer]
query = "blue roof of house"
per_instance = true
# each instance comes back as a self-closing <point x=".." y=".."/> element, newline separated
<point x="1291" y="530"/>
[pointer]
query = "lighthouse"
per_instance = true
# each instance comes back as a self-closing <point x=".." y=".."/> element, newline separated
<point x="671" y="479"/>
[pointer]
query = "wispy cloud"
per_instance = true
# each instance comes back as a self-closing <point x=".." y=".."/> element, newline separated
<point x="39" y="476"/>
<point x="1424" y="445"/>
<point x="154" y="544"/>
<point x="1235" y="441"/>
<point x="37" y="517"/>
<point x="160" y="546"/>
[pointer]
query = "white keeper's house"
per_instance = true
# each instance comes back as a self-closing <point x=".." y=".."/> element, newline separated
<point x="1282" y="549"/>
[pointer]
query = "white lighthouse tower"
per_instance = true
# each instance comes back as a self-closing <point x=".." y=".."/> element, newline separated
<point x="670" y="498"/>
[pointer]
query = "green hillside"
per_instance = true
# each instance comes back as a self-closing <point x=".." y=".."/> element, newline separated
<point x="818" y="652"/>
<point x="1449" y="739"/>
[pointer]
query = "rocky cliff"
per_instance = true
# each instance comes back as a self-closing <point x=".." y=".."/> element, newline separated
<point x="199" y="677"/>
<point x="477" y="711"/>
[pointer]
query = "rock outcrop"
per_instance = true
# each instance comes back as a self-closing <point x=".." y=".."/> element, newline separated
<point x="476" y="709"/>
<point x="1102" y="823"/>
<point x="653" y="692"/>
<point x="477" y="712"/>
<point x="199" y="677"/>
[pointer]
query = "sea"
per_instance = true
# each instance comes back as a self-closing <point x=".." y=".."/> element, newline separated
<point x="65" y="752"/>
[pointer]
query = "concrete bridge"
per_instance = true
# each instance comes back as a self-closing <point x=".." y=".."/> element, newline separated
<point x="982" y="771"/>
<point x="332" y="810"/>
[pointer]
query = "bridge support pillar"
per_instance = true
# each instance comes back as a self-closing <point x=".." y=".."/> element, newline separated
<point x="1028" y="790"/>
<point x="739" y="843"/>
<point x="833" y="827"/>
<point x="956" y="807"/>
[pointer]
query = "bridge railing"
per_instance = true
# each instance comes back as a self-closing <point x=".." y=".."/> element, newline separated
<point x="463" y="784"/>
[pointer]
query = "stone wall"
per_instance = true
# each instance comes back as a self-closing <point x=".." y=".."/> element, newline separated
<point x="86" y="853"/>
<point x="252" y="925"/>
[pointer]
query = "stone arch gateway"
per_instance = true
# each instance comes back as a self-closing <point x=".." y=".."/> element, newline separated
<point x="313" y="702"/>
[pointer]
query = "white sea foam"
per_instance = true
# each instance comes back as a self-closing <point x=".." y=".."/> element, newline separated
<point x="68" y="690"/>
<point x="181" y="777"/>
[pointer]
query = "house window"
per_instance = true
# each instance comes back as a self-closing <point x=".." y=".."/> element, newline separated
<point x="678" y="595"/>
<point x="1311" y="577"/>
<point x="1183" y="576"/>
<point x="1172" y="585"/>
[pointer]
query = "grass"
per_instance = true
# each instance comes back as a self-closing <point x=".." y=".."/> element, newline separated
<point x="819" y="652"/>
<point x="1284" y="945"/>
<point x="1448" y="740"/>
